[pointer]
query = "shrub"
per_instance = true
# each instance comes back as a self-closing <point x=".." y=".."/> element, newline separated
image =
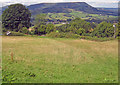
<point x="118" y="37"/>
<point x="71" y="35"/>
<point x="56" y="35"/>
<point x="24" y="30"/>
<point x="32" y="32"/>
<point x="80" y="31"/>
<point x="96" y="38"/>
<point x="49" y="28"/>
<point x="104" y="29"/>
<point x="16" y="34"/>
<point x="4" y="30"/>
<point x="62" y="35"/>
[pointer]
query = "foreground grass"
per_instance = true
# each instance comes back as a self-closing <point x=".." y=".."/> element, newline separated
<point x="47" y="60"/>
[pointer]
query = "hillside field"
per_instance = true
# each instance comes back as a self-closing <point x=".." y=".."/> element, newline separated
<point x="55" y="60"/>
<point x="76" y="14"/>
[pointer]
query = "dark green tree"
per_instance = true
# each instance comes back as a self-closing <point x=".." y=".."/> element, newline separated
<point x="20" y="26"/>
<point x="80" y="31"/>
<point x="40" y="19"/>
<point x="104" y="29"/>
<point x="49" y="28"/>
<point x="41" y="30"/>
<point x="14" y="15"/>
<point x="24" y="30"/>
<point x="75" y="24"/>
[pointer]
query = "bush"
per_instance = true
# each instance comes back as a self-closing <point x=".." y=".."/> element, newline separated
<point x="62" y="35"/>
<point x="56" y="35"/>
<point x="118" y="37"/>
<point x="80" y="31"/>
<point x="71" y="35"/>
<point x="16" y="34"/>
<point x="24" y="30"/>
<point x="32" y="32"/>
<point x="4" y="30"/>
<point x="49" y="28"/>
<point x="104" y="29"/>
<point x="96" y="38"/>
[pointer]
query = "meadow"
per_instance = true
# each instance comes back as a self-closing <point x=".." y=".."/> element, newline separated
<point x="78" y="14"/>
<point x="56" y="60"/>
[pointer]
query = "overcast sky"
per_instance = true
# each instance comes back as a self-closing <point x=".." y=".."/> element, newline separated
<point x="94" y="3"/>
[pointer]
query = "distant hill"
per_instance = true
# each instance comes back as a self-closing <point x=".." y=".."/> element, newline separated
<point x="109" y="9"/>
<point x="67" y="8"/>
<point x="2" y="9"/>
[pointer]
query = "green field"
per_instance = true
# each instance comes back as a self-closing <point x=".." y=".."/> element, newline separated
<point x="48" y="60"/>
<point x="76" y="14"/>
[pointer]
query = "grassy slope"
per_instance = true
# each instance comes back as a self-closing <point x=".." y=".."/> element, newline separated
<point x="59" y="60"/>
<point x="58" y="16"/>
<point x="75" y="14"/>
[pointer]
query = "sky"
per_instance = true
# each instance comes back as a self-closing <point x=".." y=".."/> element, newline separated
<point x="94" y="3"/>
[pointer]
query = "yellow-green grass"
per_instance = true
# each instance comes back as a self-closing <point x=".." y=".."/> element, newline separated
<point x="49" y="60"/>
<point x="57" y="16"/>
<point x="75" y="14"/>
<point x="57" y="25"/>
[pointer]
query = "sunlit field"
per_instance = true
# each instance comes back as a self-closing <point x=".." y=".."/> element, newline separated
<point x="55" y="60"/>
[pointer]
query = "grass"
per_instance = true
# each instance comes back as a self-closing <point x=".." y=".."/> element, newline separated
<point x="75" y="14"/>
<point x="55" y="60"/>
<point x="78" y="14"/>
<point x="60" y="16"/>
<point x="57" y="25"/>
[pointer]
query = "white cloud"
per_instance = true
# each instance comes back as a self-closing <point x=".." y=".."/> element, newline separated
<point x="39" y="1"/>
<point x="99" y="3"/>
<point x="92" y="2"/>
<point x="27" y="2"/>
<point x="104" y="4"/>
<point x="106" y="1"/>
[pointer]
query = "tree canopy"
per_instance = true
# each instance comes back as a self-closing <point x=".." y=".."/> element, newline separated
<point x="14" y="16"/>
<point x="104" y="29"/>
<point x="40" y="19"/>
<point x="77" y="26"/>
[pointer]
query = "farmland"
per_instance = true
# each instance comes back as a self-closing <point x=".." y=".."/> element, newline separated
<point x="56" y="60"/>
<point x="79" y="14"/>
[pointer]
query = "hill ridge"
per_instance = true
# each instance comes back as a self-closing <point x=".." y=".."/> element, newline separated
<point x="62" y="7"/>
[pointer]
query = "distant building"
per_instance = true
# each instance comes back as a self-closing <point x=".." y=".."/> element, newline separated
<point x="63" y="23"/>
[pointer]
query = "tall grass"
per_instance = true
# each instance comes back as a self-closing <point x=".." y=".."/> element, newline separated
<point x="49" y="60"/>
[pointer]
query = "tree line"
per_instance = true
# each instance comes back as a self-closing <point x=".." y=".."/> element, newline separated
<point x="17" y="18"/>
